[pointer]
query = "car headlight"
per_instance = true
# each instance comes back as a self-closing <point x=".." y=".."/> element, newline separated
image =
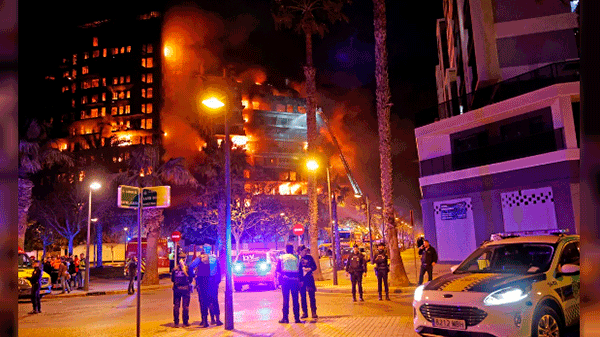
<point x="419" y="292"/>
<point x="263" y="266"/>
<point x="504" y="296"/>
<point x="23" y="282"/>
<point x="238" y="268"/>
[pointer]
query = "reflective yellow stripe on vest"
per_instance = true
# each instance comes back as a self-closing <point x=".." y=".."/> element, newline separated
<point x="289" y="263"/>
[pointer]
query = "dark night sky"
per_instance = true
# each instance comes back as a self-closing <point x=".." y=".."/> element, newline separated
<point x="344" y="60"/>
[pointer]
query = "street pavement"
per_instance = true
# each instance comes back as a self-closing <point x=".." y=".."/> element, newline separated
<point x="106" y="310"/>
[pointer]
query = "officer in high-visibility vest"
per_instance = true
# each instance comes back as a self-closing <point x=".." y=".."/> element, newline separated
<point x="287" y="271"/>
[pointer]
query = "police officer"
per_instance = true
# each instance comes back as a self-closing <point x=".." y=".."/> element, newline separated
<point x="36" y="285"/>
<point x="287" y="270"/>
<point x="201" y="267"/>
<point x="382" y="268"/>
<point x="131" y="269"/>
<point x="307" y="281"/>
<point x="181" y="291"/>
<point x="213" y="287"/>
<point x="356" y="266"/>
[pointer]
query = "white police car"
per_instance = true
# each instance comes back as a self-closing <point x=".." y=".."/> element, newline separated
<point x="518" y="286"/>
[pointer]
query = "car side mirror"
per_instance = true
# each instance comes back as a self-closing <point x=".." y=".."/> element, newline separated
<point x="453" y="268"/>
<point x="569" y="269"/>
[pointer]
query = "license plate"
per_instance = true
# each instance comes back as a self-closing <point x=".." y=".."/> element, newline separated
<point x="457" y="324"/>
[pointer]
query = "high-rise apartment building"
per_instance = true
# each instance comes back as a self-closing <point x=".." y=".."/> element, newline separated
<point x="500" y="153"/>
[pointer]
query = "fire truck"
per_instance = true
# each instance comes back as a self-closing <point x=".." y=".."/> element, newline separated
<point x="163" y="250"/>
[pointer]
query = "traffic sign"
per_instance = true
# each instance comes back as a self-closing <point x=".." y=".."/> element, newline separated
<point x="298" y="229"/>
<point x="175" y="236"/>
<point x="127" y="197"/>
<point x="156" y="197"/>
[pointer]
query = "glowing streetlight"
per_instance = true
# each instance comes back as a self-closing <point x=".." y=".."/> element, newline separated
<point x="312" y="165"/>
<point x="215" y="103"/>
<point x="86" y="285"/>
<point x="167" y="51"/>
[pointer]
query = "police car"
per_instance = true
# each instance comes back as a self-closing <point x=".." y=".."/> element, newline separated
<point x="25" y="272"/>
<point x="513" y="285"/>
<point x="253" y="268"/>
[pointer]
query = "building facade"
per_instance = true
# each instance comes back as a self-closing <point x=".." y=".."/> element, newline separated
<point x="500" y="152"/>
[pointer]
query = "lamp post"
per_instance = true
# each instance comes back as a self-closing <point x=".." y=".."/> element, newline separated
<point x="312" y="165"/>
<point x="368" y="220"/>
<point x="215" y="103"/>
<point x="86" y="285"/>
<point x="125" y="252"/>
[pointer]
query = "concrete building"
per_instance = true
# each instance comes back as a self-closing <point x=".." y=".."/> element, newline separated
<point x="500" y="152"/>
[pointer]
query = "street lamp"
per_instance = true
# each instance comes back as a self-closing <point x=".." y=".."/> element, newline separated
<point x="368" y="219"/>
<point x="125" y="252"/>
<point x="312" y="165"/>
<point x="86" y="285"/>
<point x="215" y="103"/>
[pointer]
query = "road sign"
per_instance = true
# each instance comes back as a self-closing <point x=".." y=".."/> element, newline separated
<point x="298" y="229"/>
<point x="175" y="236"/>
<point x="156" y="197"/>
<point x="127" y="197"/>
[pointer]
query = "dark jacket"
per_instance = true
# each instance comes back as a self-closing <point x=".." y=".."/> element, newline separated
<point x="428" y="256"/>
<point x="181" y="280"/>
<point x="36" y="278"/>
<point x="307" y="278"/>
<point x="215" y="270"/>
<point x="356" y="263"/>
<point x="381" y="262"/>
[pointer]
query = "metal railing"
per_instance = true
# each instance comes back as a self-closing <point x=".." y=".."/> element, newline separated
<point x="560" y="72"/>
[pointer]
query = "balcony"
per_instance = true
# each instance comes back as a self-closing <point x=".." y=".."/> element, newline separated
<point x="560" y="72"/>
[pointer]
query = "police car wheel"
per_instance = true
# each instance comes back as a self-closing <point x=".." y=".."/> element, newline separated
<point x="546" y="323"/>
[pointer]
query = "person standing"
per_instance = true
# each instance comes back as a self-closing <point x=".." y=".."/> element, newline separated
<point x="201" y="267"/>
<point x="131" y="269"/>
<point x="429" y="258"/>
<point x="356" y="266"/>
<point x="172" y="260"/>
<point x="72" y="273"/>
<point x="287" y="271"/>
<point x="382" y="268"/>
<point x="36" y="285"/>
<point x="181" y="292"/>
<point x="307" y="282"/>
<point x="63" y="273"/>
<point x="82" y="269"/>
<point x="213" y="287"/>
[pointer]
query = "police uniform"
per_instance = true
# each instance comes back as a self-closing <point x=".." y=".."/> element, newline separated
<point x="181" y="293"/>
<point x="356" y="266"/>
<point x="307" y="284"/>
<point x="35" y="279"/>
<point x="213" y="290"/>
<point x="381" y="270"/>
<point x="201" y="267"/>
<point x="287" y="267"/>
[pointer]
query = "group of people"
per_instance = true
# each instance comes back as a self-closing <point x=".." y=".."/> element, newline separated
<point x="356" y="268"/>
<point x="206" y="272"/>
<point x="69" y="270"/>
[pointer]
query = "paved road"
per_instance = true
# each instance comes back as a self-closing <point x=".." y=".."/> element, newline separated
<point x="256" y="314"/>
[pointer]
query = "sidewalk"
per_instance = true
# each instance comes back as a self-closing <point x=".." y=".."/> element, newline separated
<point x="370" y="281"/>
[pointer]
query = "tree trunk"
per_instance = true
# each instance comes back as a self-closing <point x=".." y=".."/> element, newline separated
<point x="70" y="238"/>
<point x="25" y="187"/>
<point x="311" y="135"/>
<point x="398" y="275"/>
<point x="237" y="242"/>
<point x="99" y="244"/>
<point x="153" y="219"/>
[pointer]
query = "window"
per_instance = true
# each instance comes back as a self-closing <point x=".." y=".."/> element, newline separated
<point x="292" y="176"/>
<point x="284" y="176"/>
<point x="94" y="113"/>
<point x="104" y="52"/>
<point x="290" y="108"/>
<point x="149" y="78"/>
<point x="114" y="95"/>
<point x="65" y="88"/>
<point x="280" y="108"/>
<point x="86" y="55"/>
<point x="65" y="74"/>
<point x="149" y="93"/>
<point x="104" y="81"/>
<point x="115" y="80"/>
<point x="255" y="105"/>
<point x="121" y="110"/>
<point x="95" y="83"/>
<point x="73" y="87"/>
<point x="84" y="100"/>
<point x="73" y="103"/>
<point x="85" y="70"/>
<point x="149" y="48"/>
<point x="128" y="125"/>
<point x="82" y="115"/>
<point x="103" y="96"/>
<point x="149" y="123"/>
<point x="74" y="73"/>
<point x="128" y="94"/>
<point x="122" y="79"/>
<point x="149" y="108"/>
<point x="96" y="53"/>
<point x="74" y="59"/>
<point x="127" y="78"/>
<point x="149" y="63"/>
<point x="247" y="174"/>
<point x="148" y="139"/>
<point x="144" y="62"/>
<point x="113" y="111"/>
<point x="143" y="92"/>
<point x="129" y="49"/>
<point x="103" y="112"/>
<point x="94" y="98"/>
<point x="143" y="77"/>
<point x="127" y="109"/>
<point x="95" y="41"/>
<point x="121" y="94"/>
<point x="143" y="108"/>
<point x="122" y="50"/>
<point x="115" y="51"/>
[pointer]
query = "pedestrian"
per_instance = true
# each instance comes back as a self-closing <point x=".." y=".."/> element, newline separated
<point x="181" y="292"/>
<point x="171" y="260"/>
<point x="201" y="267"/>
<point x="287" y="271"/>
<point x="82" y="269"/>
<point x="429" y="258"/>
<point x="131" y="270"/>
<point x="307" y="281"/>
<point x="77" y="271"/>
<point x="72" y="273"/>
<point x="382" y="268"/>
<point x="63" y="273"/>
<point x="213" y="287"/>
<point x="356" y="266"/>
<point x="36" y="285"/>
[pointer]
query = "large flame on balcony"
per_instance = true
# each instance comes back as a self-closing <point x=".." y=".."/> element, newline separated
<point x="290" y="188"/>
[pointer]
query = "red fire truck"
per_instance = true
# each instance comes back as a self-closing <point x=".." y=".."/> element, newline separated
<point x="163" y="251"/>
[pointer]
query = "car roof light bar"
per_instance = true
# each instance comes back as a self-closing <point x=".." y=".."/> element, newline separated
<point x="506" y="235"/>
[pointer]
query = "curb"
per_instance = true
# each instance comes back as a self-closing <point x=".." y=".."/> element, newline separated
<point x="347" y="289"/>
<point x="108" y="292"/>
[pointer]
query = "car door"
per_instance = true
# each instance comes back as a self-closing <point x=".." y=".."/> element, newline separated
<point x="567" y="286"/>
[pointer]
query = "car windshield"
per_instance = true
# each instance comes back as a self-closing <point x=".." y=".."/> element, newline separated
<point x="24" y="261"/>
<point x="252" y="257"/>
<point x="521" y="258"/>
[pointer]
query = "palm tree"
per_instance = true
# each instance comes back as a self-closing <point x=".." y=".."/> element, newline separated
<point x="145" y="169"/>
<point x="35" y="153"/>
<point x="310" y="17"/>
<point x="397" y="272"/>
